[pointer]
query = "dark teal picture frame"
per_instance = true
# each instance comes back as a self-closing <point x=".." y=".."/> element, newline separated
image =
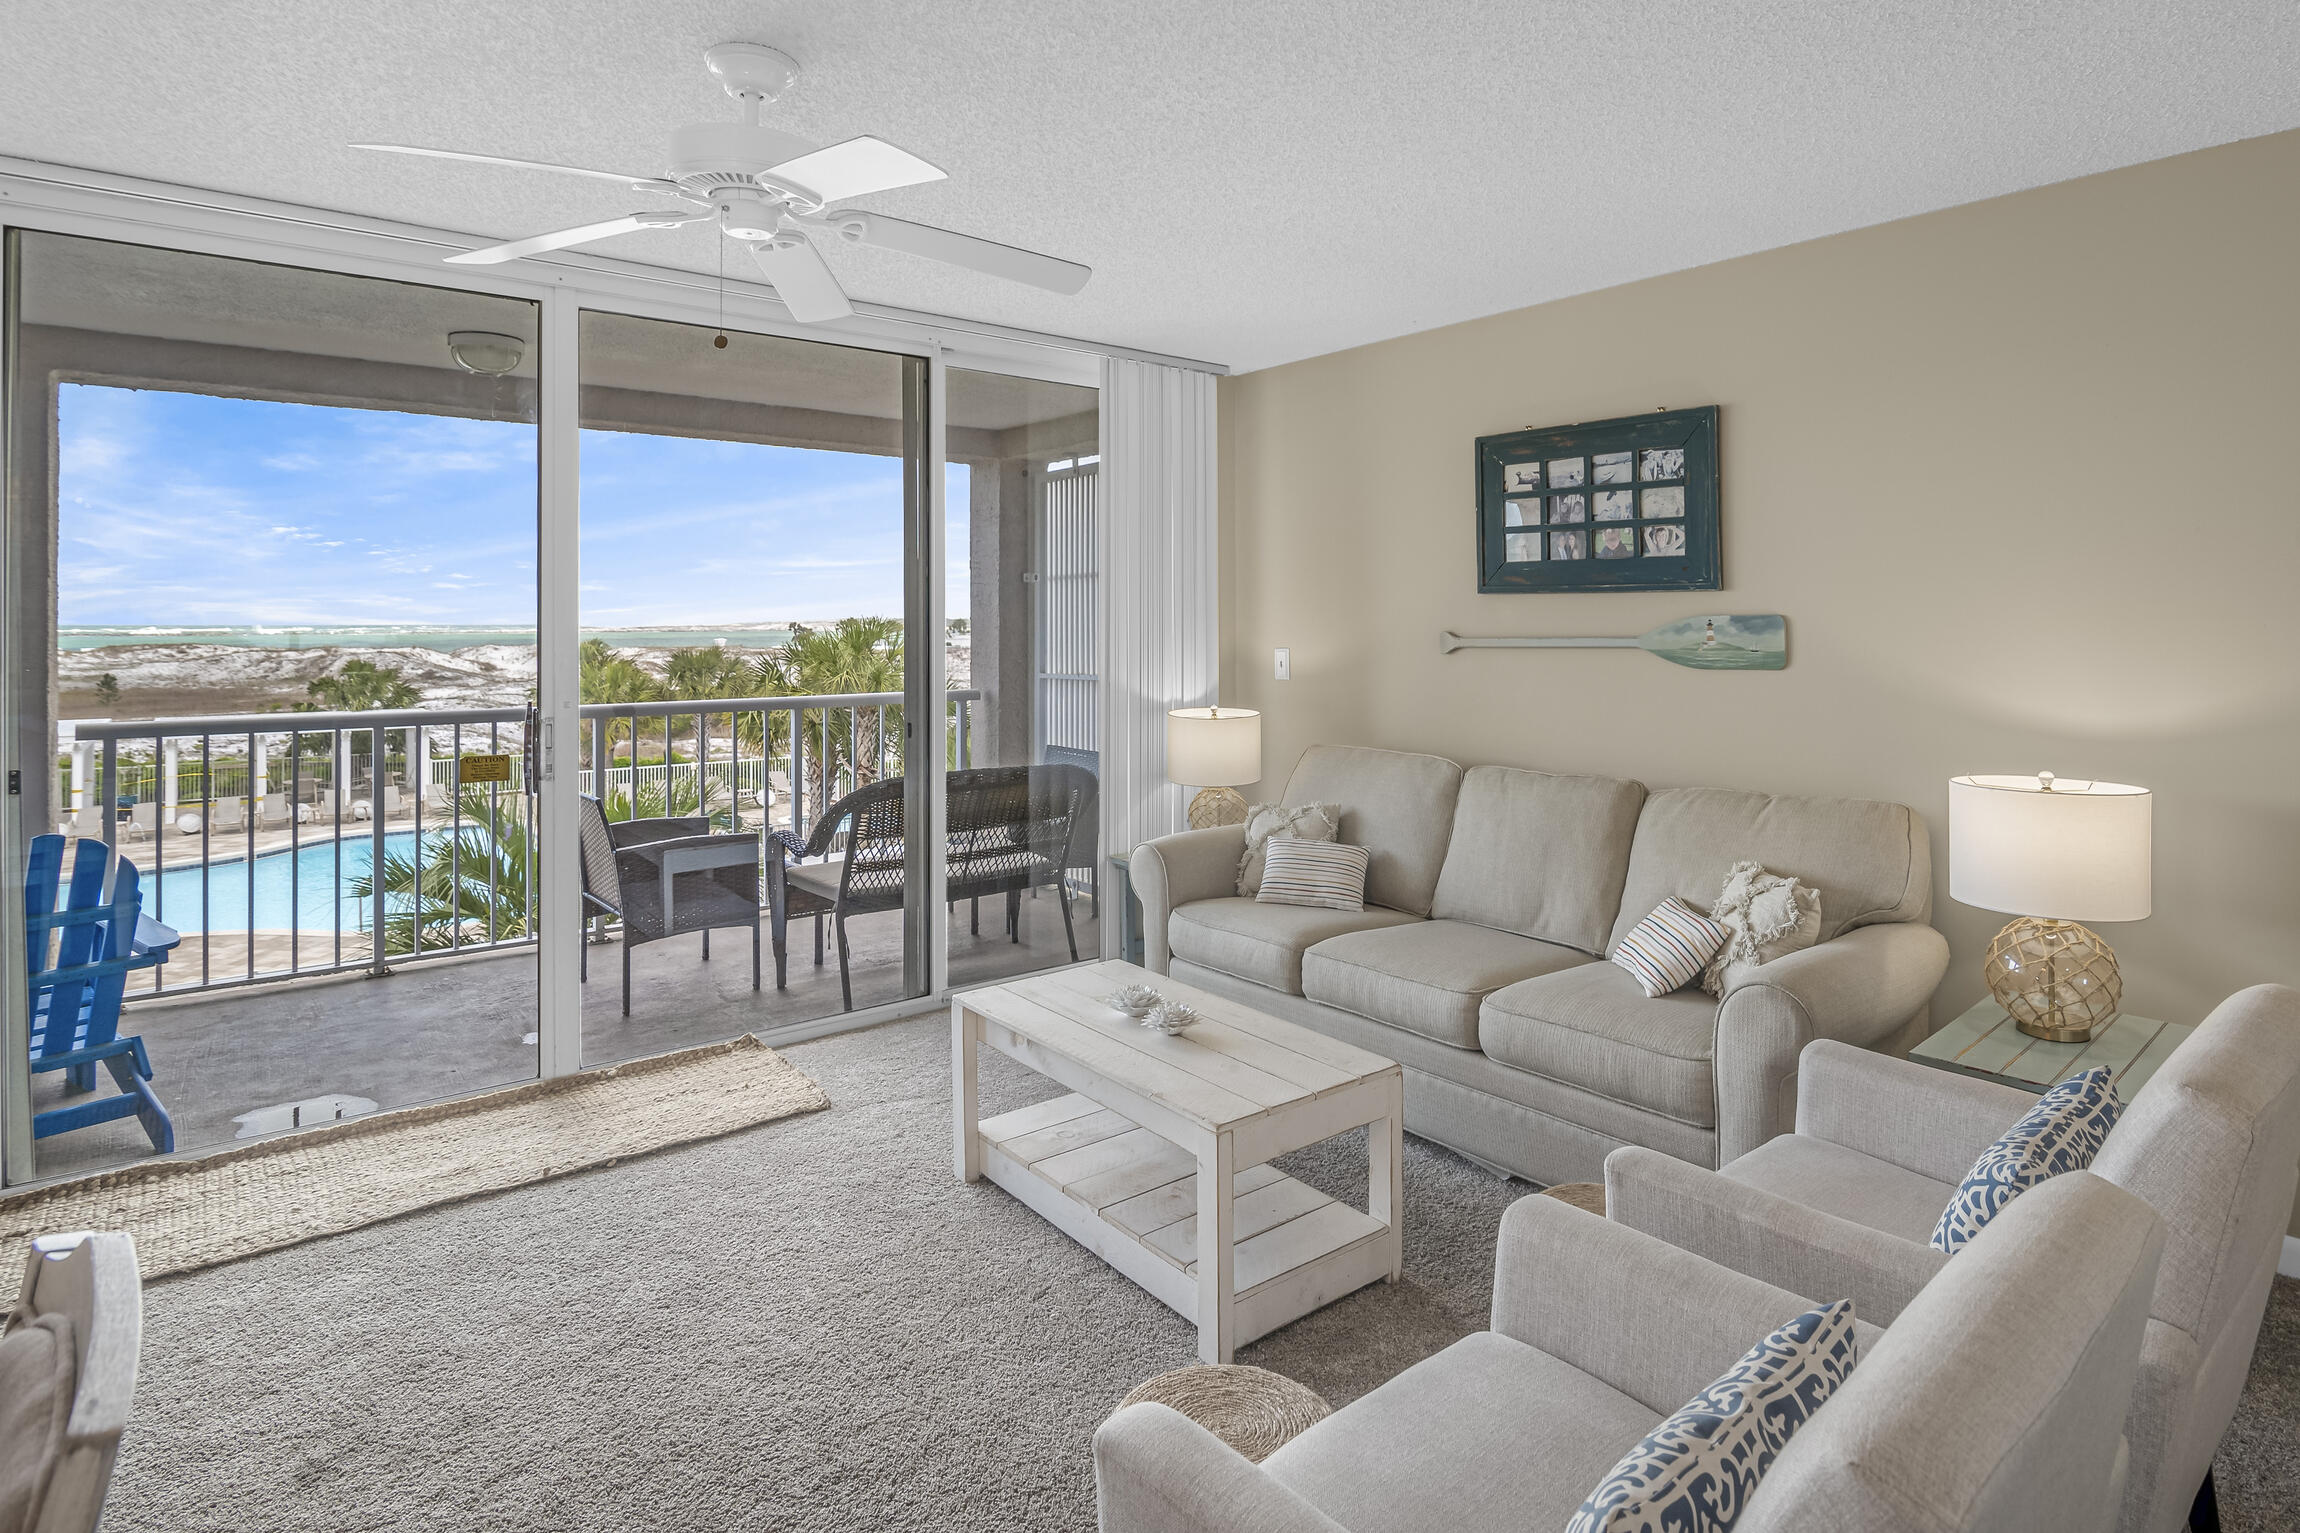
<point x="1513" y="512"/>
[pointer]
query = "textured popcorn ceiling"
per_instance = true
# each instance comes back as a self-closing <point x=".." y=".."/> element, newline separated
<point x="1253" y="182"/>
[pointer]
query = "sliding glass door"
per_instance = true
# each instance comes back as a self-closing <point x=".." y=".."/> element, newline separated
<point x="470" y="678"/>
<point x="749" y="679"/>
<point x="271" y="629"/>
<point x="1022" y="584"/>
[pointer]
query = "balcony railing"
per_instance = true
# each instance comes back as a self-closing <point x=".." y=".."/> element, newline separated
<point x="259" y="835"/>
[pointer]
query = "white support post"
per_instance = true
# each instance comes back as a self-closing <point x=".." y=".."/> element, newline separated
<point x="558" y="692"/>
<point x="170" y="789"/>
<point x="83" y="764"/>
<point x="933" y="736"/>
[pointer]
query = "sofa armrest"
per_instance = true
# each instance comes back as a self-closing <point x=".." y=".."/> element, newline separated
<point x="1770" y="1238"/>
<point x="1860" y="987"/>
<point x="1174" y="870"/>
<point x="1926" y="1120"/>
<point x="1157" y="1471"/>
<point x="1657" y="1323"/>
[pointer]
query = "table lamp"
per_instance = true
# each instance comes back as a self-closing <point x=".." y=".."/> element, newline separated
<point x="2053" y="853"/>
<point x="1214" y="750"/>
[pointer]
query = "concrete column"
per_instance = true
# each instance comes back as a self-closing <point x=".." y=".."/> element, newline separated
<point x="83" y="770"/>
<point x="259" y="763"/>
<point x="169" y="788"/>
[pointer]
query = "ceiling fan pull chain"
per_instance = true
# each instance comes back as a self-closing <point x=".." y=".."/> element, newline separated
<point x="720" y="341"/>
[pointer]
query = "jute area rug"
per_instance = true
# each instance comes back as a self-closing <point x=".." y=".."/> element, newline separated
<point x="197" y="1212"/>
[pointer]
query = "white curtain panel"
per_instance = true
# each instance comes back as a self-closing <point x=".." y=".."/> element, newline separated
<point x="1160" y="587"/>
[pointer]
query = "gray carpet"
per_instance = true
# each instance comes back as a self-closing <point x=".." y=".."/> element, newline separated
<point x="806" y="1326"/>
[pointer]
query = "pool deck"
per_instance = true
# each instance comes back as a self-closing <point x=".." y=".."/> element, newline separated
<point x="444" y="1027"/>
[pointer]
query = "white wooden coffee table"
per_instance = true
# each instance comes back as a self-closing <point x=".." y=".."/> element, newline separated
<point x="1156" y="1161"/>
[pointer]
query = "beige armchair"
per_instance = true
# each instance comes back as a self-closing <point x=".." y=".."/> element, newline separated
<point x="67" y="1380"/>
<point x="1995" y="1403"/>
<point x="1846" y="1205"/>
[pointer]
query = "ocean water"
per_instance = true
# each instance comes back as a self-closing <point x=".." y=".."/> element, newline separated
<point x="73" y="637"/>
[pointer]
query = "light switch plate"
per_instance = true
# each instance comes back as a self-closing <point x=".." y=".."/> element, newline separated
<point x="1285" y="665"/>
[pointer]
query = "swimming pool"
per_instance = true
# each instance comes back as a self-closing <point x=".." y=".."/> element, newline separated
<point x="307" y="889"/>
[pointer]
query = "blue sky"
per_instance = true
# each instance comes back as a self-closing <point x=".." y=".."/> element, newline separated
<point x="192" y="510"/>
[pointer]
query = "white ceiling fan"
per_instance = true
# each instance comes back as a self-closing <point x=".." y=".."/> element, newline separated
<point x="772" y="191"/>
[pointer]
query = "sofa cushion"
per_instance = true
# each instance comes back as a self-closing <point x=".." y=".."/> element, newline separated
<point x="1594" y="1027"/>
<point x="1264" y="943"/>
<point x="1489" y="1436"/>
<point x="1857" y="1188"/>
<point x="1399" y="807"/>
<point x="1539" y="854"/>
<point x="1870" y="861"/>
<point x="1428" y="977"/>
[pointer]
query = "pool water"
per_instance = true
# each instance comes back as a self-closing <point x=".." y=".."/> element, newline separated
<point x="308" y="889"/>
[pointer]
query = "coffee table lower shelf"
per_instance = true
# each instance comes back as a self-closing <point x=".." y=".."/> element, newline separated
<point x="1131" y="1197"/>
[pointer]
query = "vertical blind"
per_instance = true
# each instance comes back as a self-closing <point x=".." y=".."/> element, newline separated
<point x="1069" y="558"/>
<point x="1160" y="586"/>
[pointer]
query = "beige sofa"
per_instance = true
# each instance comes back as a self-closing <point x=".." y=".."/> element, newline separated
<point x="1492" y="896"/>
<point x="1993" y="1404"/>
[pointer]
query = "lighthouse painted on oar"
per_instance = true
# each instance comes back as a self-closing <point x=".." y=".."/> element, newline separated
<point x="1756" y="641"/>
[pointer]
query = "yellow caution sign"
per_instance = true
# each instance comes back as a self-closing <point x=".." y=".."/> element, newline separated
<point x="483" y="769"/>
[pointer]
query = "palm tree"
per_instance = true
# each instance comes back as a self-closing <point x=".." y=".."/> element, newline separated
<point x="854" y="654"/>
<point x="468" y="875"/>
<point x="607" y="677"/>
<point x="711" y="671"/>
<point x="358" y="687"/>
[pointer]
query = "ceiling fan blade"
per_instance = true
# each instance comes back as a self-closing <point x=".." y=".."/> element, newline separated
<point x="581" y="234"/>
<point x="497" y="159"/>
<point x="854" y="169"/>
<point x="1008" y="261"/>
<point x="802" y="281"/>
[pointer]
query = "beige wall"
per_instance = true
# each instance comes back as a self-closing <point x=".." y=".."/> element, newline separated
<point x="2020" y="474"/>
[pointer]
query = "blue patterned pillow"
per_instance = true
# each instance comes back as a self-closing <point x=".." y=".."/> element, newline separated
<point x="1694" y="1473"/>
<point x="2063" y="1132"/>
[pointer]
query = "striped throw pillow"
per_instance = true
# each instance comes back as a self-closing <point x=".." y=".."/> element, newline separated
<point x="1669" y="948"/>
<point x="1323" y="873"/>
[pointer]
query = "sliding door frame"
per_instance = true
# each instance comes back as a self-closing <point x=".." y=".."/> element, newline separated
<point x="56" y="200"/>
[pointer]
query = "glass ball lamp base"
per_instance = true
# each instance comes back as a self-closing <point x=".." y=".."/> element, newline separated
<point x="2057" y="980"/>
<point x="1217" y="806"/>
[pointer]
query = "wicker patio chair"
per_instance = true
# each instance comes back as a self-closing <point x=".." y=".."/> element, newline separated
<point x="666" y="877"/>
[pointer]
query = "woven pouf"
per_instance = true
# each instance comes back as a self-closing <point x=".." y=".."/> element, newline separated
<point x="1254" y="1410"/>
<point x="1589" y="1197"/>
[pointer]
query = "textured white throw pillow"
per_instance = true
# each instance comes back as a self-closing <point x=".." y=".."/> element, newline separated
<point x="1765" y="916"/>
<point x="1328" y="874"/>
<point x="1300" y="822"/>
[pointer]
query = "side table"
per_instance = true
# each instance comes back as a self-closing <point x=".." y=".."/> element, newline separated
<point x="1985" y="1043"/>
<point x="1129" y="911"/>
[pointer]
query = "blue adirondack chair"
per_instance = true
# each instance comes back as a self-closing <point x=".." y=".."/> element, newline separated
<point x="79" y="950"/>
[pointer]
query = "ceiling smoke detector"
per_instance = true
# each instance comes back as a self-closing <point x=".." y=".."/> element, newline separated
<point x="486" y="353"/>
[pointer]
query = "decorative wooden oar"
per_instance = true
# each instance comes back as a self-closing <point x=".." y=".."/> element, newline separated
<point x="1746" y="642"/>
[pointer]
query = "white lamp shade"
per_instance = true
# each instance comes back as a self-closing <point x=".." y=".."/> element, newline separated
<point x="1213" y="747"/>
<point x="2076" y="851"/>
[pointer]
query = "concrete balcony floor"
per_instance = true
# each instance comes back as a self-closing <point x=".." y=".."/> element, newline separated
<point x="447" y="1027"/>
